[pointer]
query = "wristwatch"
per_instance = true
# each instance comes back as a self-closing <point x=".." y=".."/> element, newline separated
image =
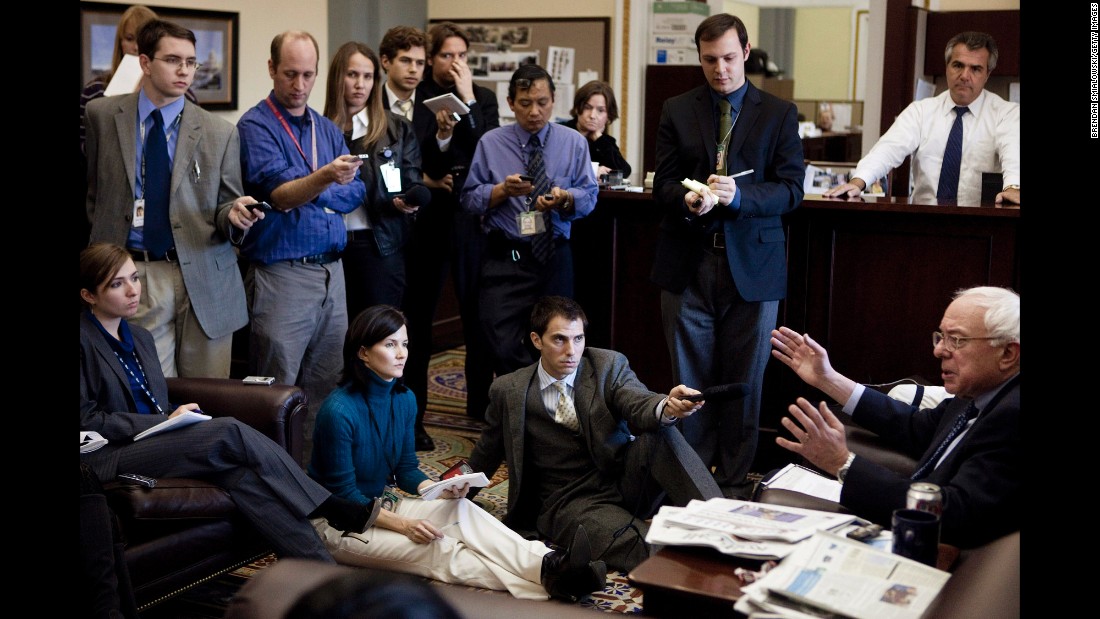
<point x="1007" y="187"/>
<point x="843" y="472"/>
<point x="471" y="102"/>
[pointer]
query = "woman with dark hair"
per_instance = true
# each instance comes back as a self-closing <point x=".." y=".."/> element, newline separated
<point x="378" y="231"/>
<point x="594" y="108"/>
<point x="363" y="450"/>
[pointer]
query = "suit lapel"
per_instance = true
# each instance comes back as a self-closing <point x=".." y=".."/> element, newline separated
<point x="750" y="112"/>
<point x="517" y="414"/>
<point x="584" y="395"/>
<point x="704" y="117"/>
<point x="125" y="129"/>
<point x="187" y="143"/>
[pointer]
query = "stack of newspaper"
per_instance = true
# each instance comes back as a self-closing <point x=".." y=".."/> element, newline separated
<point x="829" y="575"/>
<point x="742" y="528"/>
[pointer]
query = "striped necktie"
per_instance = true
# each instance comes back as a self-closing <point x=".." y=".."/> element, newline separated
<point x="948" y="189"/>
<point x="960" y="423"/>
<point x="542" y="245"/>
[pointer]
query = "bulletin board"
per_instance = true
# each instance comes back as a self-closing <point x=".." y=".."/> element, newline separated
<point x="499" y="46"/>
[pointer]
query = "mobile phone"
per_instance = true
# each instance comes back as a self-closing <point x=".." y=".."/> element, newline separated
<point x="865" y="533"/>
<point x="527" y="178"/>
<point x="134" y="478"/>
<point x="548" y="196"/>
<point x="261" y="206"/>
<point x="461" y="468"/>
<point x="258" y="380"/>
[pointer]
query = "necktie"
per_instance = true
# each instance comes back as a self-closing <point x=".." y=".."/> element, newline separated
<point x="725" y="128"/>
<point x="542" y="245"/>
<point x="406" y="107"/>
<point x="960" y="423"/>
<point x="156" y="187"/>
<point x="565" y="414"/>
<point x="952" y="160"/>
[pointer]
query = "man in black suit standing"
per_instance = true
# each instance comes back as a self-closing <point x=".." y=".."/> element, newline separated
<point x="721" y="251"/>
<point x="969" y="445"/>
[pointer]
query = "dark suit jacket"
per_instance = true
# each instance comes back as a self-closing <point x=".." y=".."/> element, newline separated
<point x="484" y="115"/>
<point x="106" y="402"/>
<point x="764" y="139"/>
<point x="611" y="405"/>
<point x="980" y="478"/>
<point x="198" y="207"/>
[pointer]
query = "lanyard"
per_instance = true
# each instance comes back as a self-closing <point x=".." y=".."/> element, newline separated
<point x="141" y="381"/>
<point x="313" y="135"/>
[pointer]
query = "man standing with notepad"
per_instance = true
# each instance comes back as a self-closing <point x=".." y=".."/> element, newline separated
<point x="721" y="253"/>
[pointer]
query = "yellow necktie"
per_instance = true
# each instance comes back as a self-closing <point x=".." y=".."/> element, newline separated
<point x="406" y="108"/>
<point x="565" y="414"/>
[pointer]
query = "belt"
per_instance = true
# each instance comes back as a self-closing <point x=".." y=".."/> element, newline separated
<point x="715" y="243"/>
<point x="366" y="234"/>
<point x="500" y="246"/>
<point x="325" y="258"/>
<point x="142" y="255"/>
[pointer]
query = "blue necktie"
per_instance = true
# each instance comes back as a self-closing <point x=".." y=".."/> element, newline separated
<point x="156" y="187"/>
<point x="948" y="190"/>
<point x="960" y="423"/>
<point x="542" y="245"/>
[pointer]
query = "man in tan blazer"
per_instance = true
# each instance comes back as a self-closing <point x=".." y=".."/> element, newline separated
<point x="194" y="297"/>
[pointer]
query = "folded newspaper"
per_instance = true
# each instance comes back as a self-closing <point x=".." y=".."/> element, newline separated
<point x="829" y="575"/>
<point x="91" y="441"/>
<point x="476" y="480"/>
<point x="757" y="521"/>
<point x="661" y="532"/>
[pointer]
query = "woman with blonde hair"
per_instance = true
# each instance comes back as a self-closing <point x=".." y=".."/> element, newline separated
<point x="379" y="230"/>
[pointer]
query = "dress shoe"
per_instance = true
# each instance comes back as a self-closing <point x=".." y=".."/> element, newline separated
<point x="423" y="441"/>
<point x="571" y="573"/>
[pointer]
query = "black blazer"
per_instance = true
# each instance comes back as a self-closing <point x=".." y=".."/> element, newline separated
<point x="764" y="139"/>
<point x="980" y="478"/>
<point x="605" y="151"/>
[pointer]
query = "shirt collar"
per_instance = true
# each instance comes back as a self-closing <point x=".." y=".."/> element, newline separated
<point x="736" y="98"/>
<point x="545" y="379"/>
<point x="975" y="105"/>
<point x="984" y="399"/>
<point x="359" y="124"/>
<point x="168" y="112"/>
<point x="392" y="96"/>
<point x="525" y="138"/>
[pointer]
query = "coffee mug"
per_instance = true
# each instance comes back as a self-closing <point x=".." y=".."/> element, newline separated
<point x="916" y="535"/>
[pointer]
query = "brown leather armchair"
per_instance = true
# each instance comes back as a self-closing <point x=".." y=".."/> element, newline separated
<point x="185" y="531"/>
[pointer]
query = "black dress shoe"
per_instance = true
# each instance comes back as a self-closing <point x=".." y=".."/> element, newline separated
<point x="571" y="573"/>
<point x="423" y="441"/>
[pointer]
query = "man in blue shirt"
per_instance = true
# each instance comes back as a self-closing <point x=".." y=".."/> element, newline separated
<point x="296" y="159"/>
<point x="523" y="212"/>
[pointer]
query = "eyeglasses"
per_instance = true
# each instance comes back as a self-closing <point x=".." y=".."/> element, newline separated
<point x="180" y="63"/>
<point x="953" y="342"/>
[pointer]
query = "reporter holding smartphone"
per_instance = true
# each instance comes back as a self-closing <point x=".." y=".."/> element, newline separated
<point x="379" y="230"/>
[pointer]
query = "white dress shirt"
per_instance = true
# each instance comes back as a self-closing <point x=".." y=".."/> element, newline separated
<point x="357" y="219"/>
<point x="991" y="143"/>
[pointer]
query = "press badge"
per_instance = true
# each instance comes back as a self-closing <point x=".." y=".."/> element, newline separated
<point x="391" y="175"/>
<point x="139" y="213"/>
<point x="390" y="499"/>
<point x="530" y="223"/>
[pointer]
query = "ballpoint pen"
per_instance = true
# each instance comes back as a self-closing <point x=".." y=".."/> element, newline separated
<point x="198" y="172"/>
<point x="749" y="171"/>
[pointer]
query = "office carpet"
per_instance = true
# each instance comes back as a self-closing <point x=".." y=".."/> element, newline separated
<point x="454" y="434"/>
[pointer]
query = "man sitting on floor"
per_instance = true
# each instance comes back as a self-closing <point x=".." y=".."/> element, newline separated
<point x="566" y="426"/>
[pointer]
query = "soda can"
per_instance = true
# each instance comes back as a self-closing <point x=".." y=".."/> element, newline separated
<point x="925" y="497"/>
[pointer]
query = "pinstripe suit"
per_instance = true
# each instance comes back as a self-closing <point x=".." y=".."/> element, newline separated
<point x="269" y="488"/>
<point x="206" y="179"/>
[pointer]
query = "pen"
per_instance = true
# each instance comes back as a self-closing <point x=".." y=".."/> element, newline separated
<point x="446" y="526"/>
<point x="198" y="173"/>
<point x="749" y="171"/>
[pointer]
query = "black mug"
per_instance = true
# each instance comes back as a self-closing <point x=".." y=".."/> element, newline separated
<point x="916" y="535"/>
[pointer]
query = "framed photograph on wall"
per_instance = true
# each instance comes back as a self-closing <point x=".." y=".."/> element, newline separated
<point x="217" y="35"/>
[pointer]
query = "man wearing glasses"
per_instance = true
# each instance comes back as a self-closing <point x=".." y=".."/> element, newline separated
<point x="969" y="445"/>
<point x="176" y="209"/>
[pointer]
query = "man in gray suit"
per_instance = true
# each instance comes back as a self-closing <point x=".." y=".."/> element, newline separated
<point x="194" y="297"/>
<point x="587" y="443"/>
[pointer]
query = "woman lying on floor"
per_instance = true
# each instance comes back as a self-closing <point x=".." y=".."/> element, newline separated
<point x="363" y="445"/>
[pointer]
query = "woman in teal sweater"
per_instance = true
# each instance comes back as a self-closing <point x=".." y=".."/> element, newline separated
<point x="363" y="446"/>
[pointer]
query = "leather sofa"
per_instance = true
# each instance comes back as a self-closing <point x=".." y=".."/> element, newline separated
<point x="185" y="531"/>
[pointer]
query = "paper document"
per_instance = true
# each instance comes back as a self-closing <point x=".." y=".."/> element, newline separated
<point x="801" y="479"/>
<point x="447" y="102"/>
<point x="661" y="532"/>
<point x="91" y="441"/>
<point x="476" y="480"/>
<point x="185" y="418"/>
<point x="758" y="521"/>
<point x="126" y="78"/>
<point x="830" y="575"/>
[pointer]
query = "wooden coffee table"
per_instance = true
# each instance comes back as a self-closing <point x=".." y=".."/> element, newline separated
<point x="681" y="581"/>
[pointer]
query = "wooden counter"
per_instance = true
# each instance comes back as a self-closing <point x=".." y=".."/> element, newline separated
<point x="868" y="278"/>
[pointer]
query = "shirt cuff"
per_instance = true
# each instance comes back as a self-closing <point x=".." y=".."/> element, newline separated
<point x="665" y="421"/>
<point x="444" y="144"/>
<point x="853" y="400"/>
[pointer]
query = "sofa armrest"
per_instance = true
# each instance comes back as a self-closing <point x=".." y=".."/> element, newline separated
<point x="278" y="411"/>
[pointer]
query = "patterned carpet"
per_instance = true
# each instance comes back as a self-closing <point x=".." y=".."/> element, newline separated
<point x="454" y="434"/>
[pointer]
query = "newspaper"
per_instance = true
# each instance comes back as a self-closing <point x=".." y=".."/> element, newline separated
<point x="801" y="479"/>
<point x="829" y="575"/>
<point x="757" y="521"/>
<point x="661" y="532"/>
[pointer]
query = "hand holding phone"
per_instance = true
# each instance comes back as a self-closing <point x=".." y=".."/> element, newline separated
<point x="261" y="206"/>
<point x="527" y="178"/>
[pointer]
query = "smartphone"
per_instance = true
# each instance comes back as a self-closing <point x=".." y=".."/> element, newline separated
<point x="865" y="533"/>
<point x="258" y="380"/>
<point x="698" y="397"/>
<point x="261" y="206"/>
<point x="527" y="178"/>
